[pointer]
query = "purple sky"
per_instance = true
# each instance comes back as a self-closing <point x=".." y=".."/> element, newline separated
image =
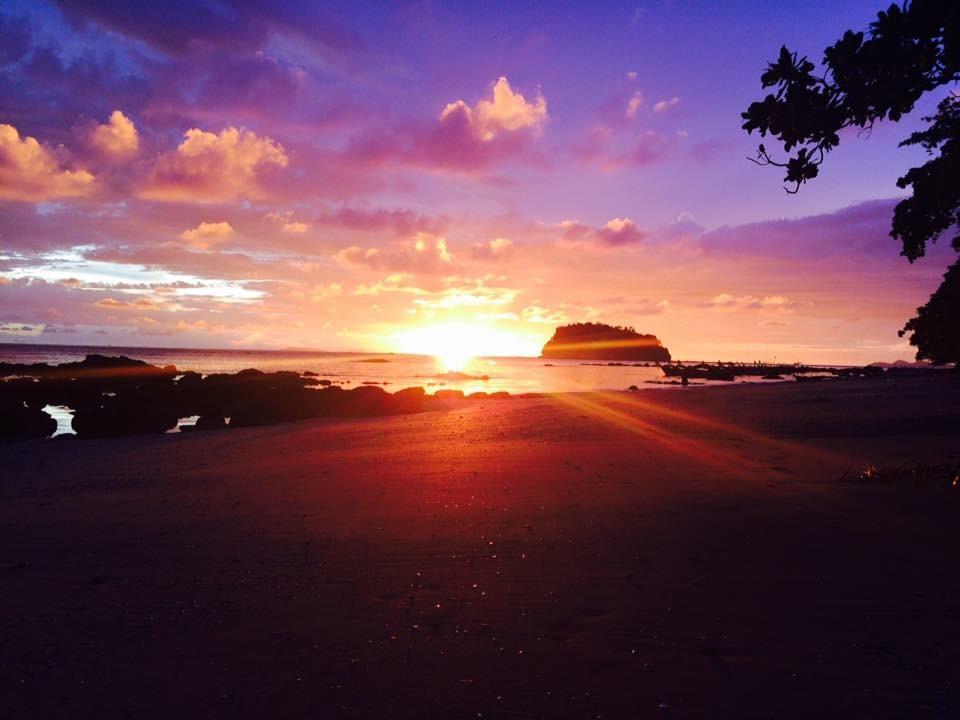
<point x="335" y="175"/>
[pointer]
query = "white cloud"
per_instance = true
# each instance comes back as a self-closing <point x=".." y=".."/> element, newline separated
<point x="664" y="105"/>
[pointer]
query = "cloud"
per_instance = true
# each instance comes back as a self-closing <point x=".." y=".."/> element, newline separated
<point x="648" y="148"/>
<point x="542" y="315"/>
<point x="178" y="26"/>
<point x="506" y="111"/>
<point x="207" y="233"/>
<point x="209" y="167"/>
<point x="423" y="254"/>
<point x="615" y="147"/>
<point x="467" y="297"/>
<point x="496" y="249"/>
<point x="31" y="172"/>
<point x="402" y="223"/>
<point x="621" y="231"/>
<point x="463" y="138"/>
<point x="664" y="105"/>
<point x="861" y="229"/>
<point x="395" y="283"/>
<point x="634" y="105"/>
<point x="21" y="329"/>
<point x="727" y="301"/>
<point x="117" y="138"/>
<point x="295" y="228"/>
<point x="616" y="232"/>
<point x="325" y="292"/>
<point x="140" y="303"/>
<point x="647" y="307"/>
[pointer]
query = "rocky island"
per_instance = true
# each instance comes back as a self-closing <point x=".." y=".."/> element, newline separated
<point x="596" y="341"/>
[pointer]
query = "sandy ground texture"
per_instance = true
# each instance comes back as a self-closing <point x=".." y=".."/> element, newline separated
<point x="706" y="553"/>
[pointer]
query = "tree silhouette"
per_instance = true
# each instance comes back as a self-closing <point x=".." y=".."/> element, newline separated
<point x="876" y="75"/>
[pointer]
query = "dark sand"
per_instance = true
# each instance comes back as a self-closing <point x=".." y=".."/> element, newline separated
<point x="659" y="554"/>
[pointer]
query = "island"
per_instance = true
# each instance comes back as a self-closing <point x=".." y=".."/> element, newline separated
<point x="596" y="341"/>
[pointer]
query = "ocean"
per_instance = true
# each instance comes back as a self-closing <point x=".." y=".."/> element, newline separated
<point x="394" y="372"/>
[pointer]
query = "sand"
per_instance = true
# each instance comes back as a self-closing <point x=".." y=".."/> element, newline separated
<point x="696" y="553"/>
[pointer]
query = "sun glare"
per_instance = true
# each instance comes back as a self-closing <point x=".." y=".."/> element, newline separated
<point x="454" y="345"/>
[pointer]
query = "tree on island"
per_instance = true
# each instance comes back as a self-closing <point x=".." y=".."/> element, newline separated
<point x="876" y="75"/>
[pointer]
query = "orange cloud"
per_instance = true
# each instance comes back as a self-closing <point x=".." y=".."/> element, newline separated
<point x="117" y="138"/>
<point x="141" y="303"/>
<point x="209" y="167"/>
<point x="30" y="171"/>
<point x="207" y="233"/>
<point x="496" y="249"/>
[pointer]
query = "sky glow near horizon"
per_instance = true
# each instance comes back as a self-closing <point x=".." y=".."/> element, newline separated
<point x="384" y="177"/>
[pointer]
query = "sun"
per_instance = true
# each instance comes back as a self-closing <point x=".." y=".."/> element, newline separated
<point x="455" y="344"/>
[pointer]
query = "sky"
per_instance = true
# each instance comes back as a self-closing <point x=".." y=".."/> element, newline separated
<point x="381" y="176"/>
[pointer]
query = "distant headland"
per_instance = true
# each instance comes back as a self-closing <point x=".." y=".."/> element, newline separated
<point x="596" y="341"/>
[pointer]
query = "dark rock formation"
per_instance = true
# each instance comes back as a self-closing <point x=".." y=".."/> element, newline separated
<point x="210" y="422"/>
<point x="120" y="396"/>
<point x="596" y="341"/>
<point x="19" y="421"/>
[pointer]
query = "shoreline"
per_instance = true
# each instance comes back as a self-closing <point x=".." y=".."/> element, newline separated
<point x="102" y="396"/>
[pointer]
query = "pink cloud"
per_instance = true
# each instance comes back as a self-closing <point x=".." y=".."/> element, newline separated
<point x="616" y="232"/>
<point x="464" y="138"/>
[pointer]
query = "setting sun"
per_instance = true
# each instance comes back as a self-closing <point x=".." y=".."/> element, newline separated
<point x="455" y="344"/>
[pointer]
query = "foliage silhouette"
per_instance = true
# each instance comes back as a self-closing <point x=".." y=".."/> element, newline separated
<point x="876" y="75"/>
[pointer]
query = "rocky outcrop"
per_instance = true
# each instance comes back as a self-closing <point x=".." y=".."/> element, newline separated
<point x="122" y="396"/>
<point x="596" y="341"/>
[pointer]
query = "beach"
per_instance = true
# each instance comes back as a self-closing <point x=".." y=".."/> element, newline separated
<point x="783" y="550"/>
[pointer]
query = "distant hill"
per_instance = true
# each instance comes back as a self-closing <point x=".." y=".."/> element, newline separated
<point x="596" y="341"/>
<point x="900" y="364"/>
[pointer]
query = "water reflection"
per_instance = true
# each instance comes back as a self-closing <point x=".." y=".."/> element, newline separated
<point x="64" y="417"/>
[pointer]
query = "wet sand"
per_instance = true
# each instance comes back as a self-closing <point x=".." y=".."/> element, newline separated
<point x="703" y="553"/>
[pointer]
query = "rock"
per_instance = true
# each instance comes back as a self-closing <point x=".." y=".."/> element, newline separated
<point x="132" y="414"/>
<point x="210" y="422"/>
<point x="596" y="341"/>
<point x="448" y="394"/>
<point x="409" y="400"/>
<point x="633" y="388"/>
<point x="19" y="422"/>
